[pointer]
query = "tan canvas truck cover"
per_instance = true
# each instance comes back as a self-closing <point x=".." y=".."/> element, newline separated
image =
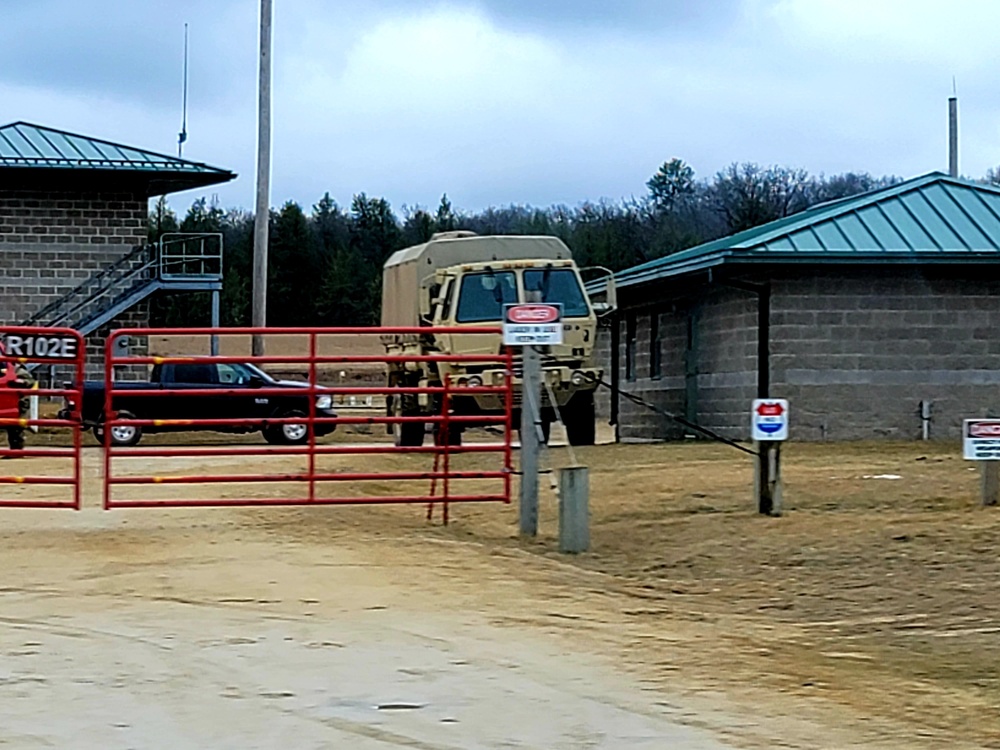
<point x="407" y="269"/>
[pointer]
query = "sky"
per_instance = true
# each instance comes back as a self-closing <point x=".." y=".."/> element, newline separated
<point x="494" y="102"/>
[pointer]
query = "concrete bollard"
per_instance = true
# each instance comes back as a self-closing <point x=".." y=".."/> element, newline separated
<point x="574" y="509"/>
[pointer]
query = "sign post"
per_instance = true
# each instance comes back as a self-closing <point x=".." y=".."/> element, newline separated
<point x="531" y="325"/>
<point x="981" y="442"/>
<point x="769" y="428"/>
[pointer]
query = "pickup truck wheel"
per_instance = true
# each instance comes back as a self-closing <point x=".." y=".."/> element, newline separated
<point x="120" y="435"/>
<point x="289" y="433"/>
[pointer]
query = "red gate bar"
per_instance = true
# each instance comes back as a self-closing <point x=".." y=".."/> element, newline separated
<point x="33" y="345"/>
<point x="442" y="451"/>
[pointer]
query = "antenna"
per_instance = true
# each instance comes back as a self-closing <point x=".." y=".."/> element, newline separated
<point x="183" y="135"/>
<point x="953" y="130"/>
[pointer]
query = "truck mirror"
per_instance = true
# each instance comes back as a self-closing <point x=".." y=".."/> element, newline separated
<point x="612" y="293"/>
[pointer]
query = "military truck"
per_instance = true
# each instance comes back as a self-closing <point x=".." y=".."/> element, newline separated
<point x="463" y="279"/>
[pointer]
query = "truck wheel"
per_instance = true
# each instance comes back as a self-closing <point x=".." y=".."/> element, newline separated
<point x="289" y="433"/>
<point x="120" y="435"/>
<point x="406" y="434"/>
<point x="454" y="435"/>
<point x="580" y="419"/>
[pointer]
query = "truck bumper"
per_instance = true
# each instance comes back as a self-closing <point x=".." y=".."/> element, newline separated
<point x="561" y="383"/>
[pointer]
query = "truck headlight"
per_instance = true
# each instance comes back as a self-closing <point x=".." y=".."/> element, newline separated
<point x="324" y="402"/>
<point x="578" y="378"/>
<point x="474" y="382"/>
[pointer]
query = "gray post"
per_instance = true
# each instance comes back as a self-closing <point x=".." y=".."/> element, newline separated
<point x="990" y="481"/>
<point x="574" y="509"/>
<point x="215" y="321"/>
<point x="259" y="302"/>
<point x="767" y="478"/>
<point x="531" y="419"/>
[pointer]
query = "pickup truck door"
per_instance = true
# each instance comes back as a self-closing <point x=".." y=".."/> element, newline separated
<point x="185" y="377"/>
<point x="249" y="403"/>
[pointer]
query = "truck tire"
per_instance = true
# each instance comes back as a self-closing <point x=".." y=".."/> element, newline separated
<point x="119" y="435"/>
<point x="580" y="419"/>
<point x="454" y="435"/>
<point x="407" y="434"/>
<point x="290" y="433"/>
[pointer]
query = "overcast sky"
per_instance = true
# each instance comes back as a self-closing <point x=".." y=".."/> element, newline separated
<point x="514" y="101"/>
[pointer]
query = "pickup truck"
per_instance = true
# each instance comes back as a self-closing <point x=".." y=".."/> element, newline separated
<point x="241" y="400"/>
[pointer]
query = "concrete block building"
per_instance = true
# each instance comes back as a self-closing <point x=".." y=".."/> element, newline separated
<point x="856" y="310"/>
<point x="73" y="237"/>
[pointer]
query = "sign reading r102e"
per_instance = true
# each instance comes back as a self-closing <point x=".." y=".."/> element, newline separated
<point x="38" y="346"/>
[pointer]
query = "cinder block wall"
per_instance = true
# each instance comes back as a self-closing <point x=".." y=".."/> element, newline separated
<point x="727" y="361"/>
<point x="857" y="351"/>
<point x="50" y="242"/>
<point x="662" y="386"/>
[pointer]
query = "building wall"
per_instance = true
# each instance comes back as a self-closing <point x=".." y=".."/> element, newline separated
<point x="855" y="351"/>
<point x="51" y="242"/>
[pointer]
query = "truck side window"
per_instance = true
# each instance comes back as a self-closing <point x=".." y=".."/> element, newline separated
<point x="232" y="374"/>
<point x="483" y="296"/>
<point x="559" y="285"/>
<point x="197" y="374"/>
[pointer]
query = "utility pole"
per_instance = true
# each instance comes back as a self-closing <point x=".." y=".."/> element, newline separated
<point x="259" y="312"/>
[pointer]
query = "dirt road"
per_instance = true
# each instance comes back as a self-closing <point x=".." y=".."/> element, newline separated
<point x="184" y="629"/>
<point x="865" y="618"/>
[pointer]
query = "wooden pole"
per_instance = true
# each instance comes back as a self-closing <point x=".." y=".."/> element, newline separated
<point x="259" y="311"/>
<point x="990" y="481"/>
<point x="767" y="483"/>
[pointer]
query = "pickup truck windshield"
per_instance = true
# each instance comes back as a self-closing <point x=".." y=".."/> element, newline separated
<point x="483" y="296"/>
<point x="559" y="285"/>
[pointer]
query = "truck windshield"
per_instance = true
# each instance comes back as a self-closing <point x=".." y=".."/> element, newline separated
<point x="483" y="296"/>
<point x="559" y="285"/>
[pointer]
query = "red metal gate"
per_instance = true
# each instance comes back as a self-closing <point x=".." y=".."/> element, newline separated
<point x="162" y="465"/>
<point x="58" y="352"/>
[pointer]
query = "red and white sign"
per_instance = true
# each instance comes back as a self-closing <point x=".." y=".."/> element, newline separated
<point x="981" y="439"/>
<point x="534" y="324"/>
<point x="769" y="419"/>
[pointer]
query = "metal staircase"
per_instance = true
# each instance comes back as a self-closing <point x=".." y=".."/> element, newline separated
<point x="178" y="262"/>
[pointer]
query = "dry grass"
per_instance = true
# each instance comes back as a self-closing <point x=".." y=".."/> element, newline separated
<point x="878" y="594"/>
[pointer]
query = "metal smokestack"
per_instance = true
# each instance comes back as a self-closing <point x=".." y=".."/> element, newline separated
<point x="953" y="132"/>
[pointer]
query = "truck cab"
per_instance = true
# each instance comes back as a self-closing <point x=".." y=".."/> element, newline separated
<point x="460" y="279"/>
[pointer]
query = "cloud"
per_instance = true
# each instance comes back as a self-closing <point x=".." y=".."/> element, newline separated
<point x="125" y="50"/>
<point x="496" y="102"/>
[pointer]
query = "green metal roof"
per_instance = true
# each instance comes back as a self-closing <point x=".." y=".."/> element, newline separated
<point x="27" y="151"/>
<point x="929" y="219"/>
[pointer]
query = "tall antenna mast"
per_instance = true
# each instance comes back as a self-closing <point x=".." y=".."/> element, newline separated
<point x="183" y="135"/>
<point x="953" y="130"/>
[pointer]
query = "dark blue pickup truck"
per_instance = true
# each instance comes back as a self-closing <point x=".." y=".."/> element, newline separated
<point x="240" y="397"/>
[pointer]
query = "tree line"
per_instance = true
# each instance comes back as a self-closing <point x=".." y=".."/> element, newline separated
<point x="325" y="266"/>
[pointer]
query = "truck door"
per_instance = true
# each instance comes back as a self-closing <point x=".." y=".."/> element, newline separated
<point x="185" y="377"/>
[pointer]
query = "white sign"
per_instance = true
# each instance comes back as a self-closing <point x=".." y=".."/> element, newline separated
<point x="40" y="346"/>
<point x="769" y="419"/>
<point x="532" y="324"/>
<point x="981" y="439"/>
